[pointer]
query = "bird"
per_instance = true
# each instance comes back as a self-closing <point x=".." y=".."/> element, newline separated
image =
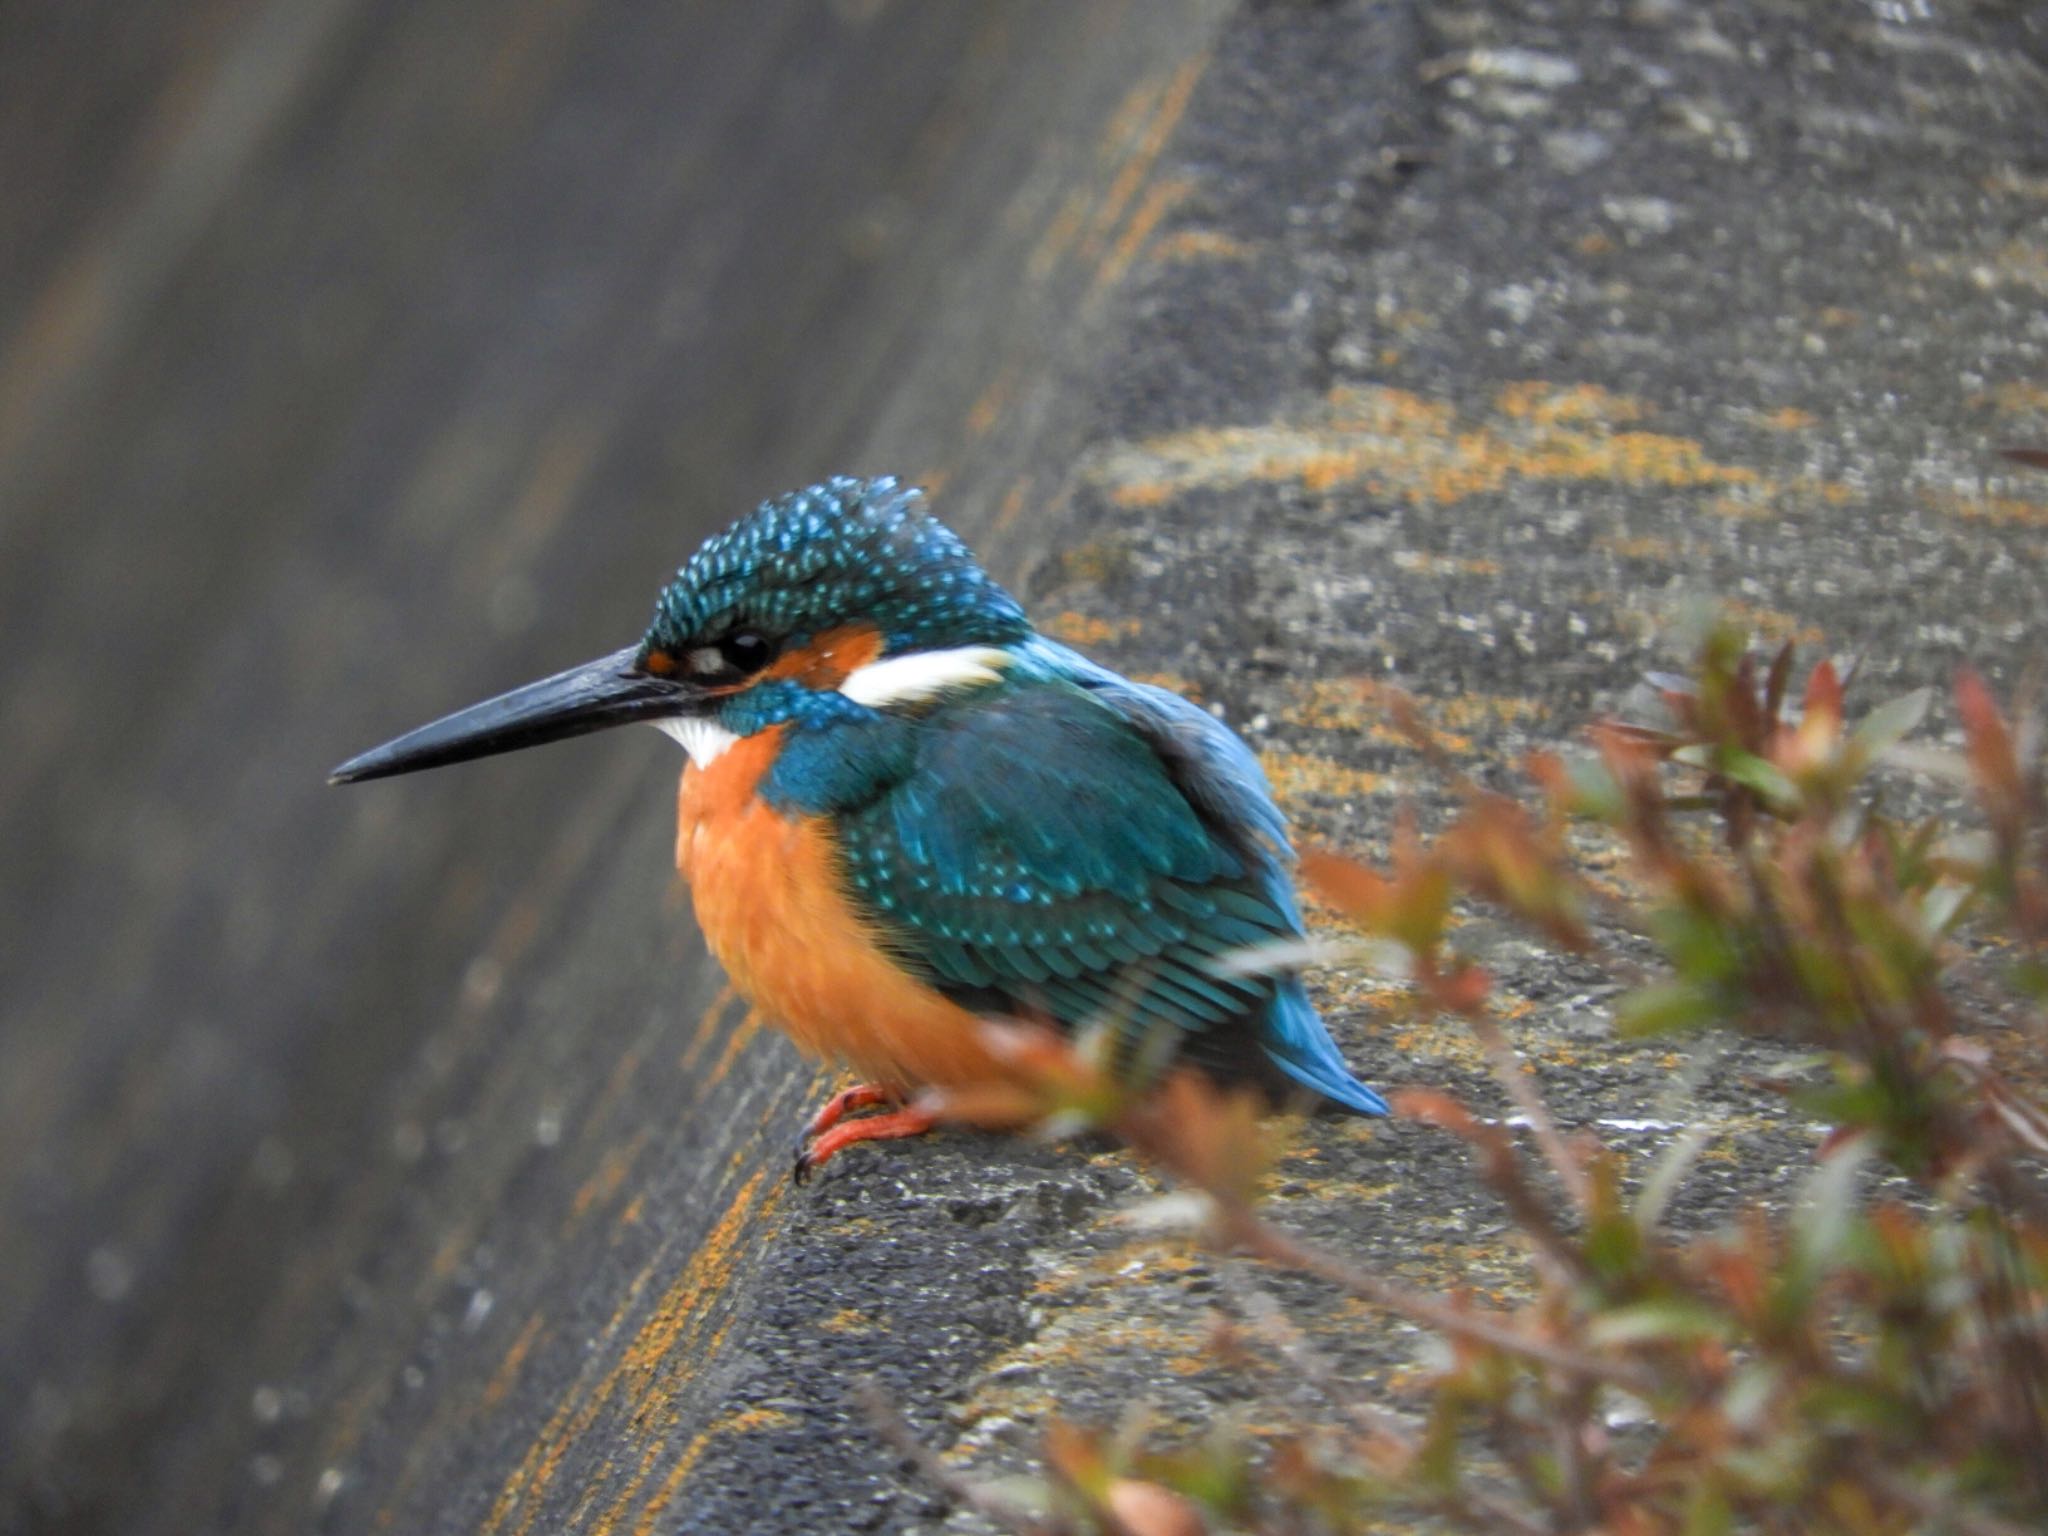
<point x="906" y="811"/>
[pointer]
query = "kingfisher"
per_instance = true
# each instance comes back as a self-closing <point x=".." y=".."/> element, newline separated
<point x="906" y="812"/>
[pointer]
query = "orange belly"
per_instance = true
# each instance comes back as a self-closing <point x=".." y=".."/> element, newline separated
<point x="773" y="910"/>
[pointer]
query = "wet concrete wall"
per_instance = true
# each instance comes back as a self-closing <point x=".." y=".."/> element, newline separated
<point x="388" y="1158"/>
<point x="390" y="1162"/>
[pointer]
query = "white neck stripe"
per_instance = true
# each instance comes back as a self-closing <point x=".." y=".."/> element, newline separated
<point x="913" y="679"/>
<point x="924" y="675"/>
<point x="705" y="740"/>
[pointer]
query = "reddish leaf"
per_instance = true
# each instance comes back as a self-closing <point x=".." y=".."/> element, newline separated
<point x="1147" y="1509"/>
<point x="1431" y="1106"/>
<point x="1991" y="750"/>
<point x="1463" y="989"/>
<point x="1351" y="887"/>
<point x="1824" y="693"/>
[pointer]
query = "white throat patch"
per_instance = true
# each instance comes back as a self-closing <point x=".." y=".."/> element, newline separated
<point x="924" y="675"/>
<point x="705" y="740"/>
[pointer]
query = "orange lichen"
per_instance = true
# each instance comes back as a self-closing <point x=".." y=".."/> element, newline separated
<point x="669" y="1345"/>
<point x="2015" y="398"/>
<point x="610" y="1176"/>
<point x="1392" y="442"/>
<point x="507" y="1373"/>
<point x="1789" y="418"/>
<point x="1139" y="496"/>
<point x="1546" y="404"/>
<point x="708" y="1023"/>
<point x="671" y="1339"/>
<point x="1173" y="682"/>
<point x="1774" y="625"/>
<point x="988" y="405"/>
<point x="1144" y="153"/>
<point x="1085" y="629"/>
<point x="1129" y="114"/>
<point x="2011" y="510"/>
<point x="1132" y="141"/>
<point x="1637" y="546"/>
<point x="1296" y="775"/>
<point x="1012" y="505"/>
<point x="1059" y="234"/>
<point x="743" y="1034"/>
<point x="1097" y="560"/>
<point x="1201" y="245"/>
<point x="1362" y="706"/>
<point x="1158" y="201"/>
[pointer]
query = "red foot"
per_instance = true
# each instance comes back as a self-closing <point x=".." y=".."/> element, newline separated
<point x="843" y="1103"/>
<point x="889" y="1127"/>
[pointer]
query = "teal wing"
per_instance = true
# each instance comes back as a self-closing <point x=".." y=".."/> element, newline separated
<point x="1038" y="857"/>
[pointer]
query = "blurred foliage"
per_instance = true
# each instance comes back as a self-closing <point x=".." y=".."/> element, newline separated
<point x="1873" y="1360"/>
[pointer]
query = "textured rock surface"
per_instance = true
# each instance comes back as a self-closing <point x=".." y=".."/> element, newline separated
<point x="367" y="1164"/>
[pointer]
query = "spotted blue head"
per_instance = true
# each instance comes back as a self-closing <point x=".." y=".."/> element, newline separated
<point x="845" y="554"/>
<point x="847" y="593"/>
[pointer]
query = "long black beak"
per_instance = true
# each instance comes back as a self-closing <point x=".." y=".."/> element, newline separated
<point x="594" y="697"/>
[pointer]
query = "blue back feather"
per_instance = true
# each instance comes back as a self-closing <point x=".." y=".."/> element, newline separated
<point x="1071" y="844"/>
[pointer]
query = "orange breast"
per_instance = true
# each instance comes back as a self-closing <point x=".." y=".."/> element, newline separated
<point x="772" y="907"/>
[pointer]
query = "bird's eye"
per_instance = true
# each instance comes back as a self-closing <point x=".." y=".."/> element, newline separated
<point x="745" y="651"/>
<point x="740" y="654"/>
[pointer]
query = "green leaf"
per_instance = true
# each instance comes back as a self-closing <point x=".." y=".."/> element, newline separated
<point x="1749" y="1393"/>
<point x="2030" y="977"/>
<point x="1612" y="1248"/>
<point x="1669" y="1172"/>
<point x="1827" y="1215"/>
<point x="1707" y="1512"/>
<point x="1761" y="778"/>
<point x="1791" y="1067"/>
<point x="1702" y="948"/>
<point x="1595" y="792"/>
<point x="1888" y="725"/>
<point x="1661" y="1320"/>
<point x="1663" y="1008"/>
<point x="1943" y="904"/>
<point x="1744" y="768"/>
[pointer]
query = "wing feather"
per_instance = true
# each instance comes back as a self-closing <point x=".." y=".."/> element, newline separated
<point x="1044" y="856"/>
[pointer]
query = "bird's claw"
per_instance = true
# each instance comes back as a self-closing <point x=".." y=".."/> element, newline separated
<point x="830" y="1132"/>
<point x="835" y="1109"/>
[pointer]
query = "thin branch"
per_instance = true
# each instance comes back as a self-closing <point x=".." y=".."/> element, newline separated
<point x="1940" y="1511"/>
<point x="1269" y="1316"/>
<point x="901" y="1438"/>
<point x="1246" y="1230"/>
<point x="1507" y="1067"/>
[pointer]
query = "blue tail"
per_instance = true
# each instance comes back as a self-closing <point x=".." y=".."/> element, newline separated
<point x="1296" y="1041"/>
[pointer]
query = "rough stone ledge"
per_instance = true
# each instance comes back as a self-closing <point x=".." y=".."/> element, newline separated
<point x="1451" y="344"/>
<point x="1471" y="346"/>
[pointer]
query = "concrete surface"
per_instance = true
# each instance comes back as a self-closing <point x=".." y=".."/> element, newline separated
<point x="368" y="1168"/>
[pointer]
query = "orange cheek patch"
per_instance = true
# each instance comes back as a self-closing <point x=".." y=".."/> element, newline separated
<point x="831" y="658"/>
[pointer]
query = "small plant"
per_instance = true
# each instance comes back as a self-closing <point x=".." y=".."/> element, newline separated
<point x="1874" y="1360"/>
